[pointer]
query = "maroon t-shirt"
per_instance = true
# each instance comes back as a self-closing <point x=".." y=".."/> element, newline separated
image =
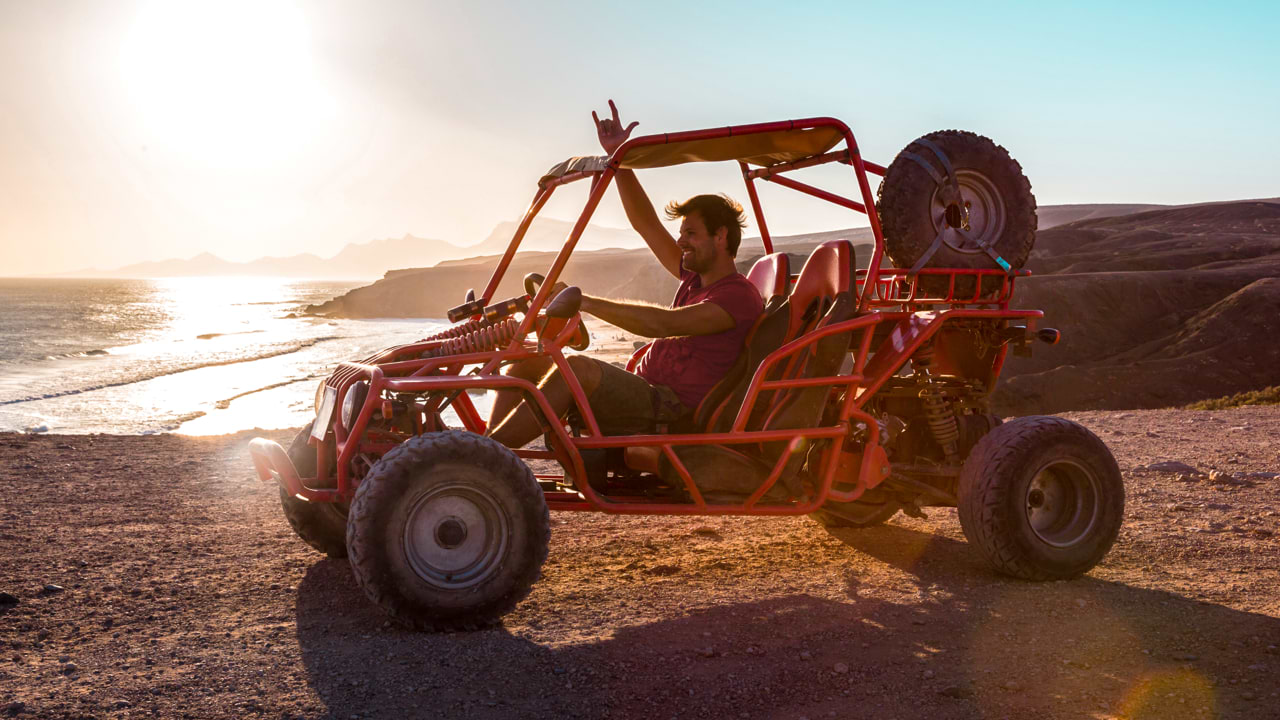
<point x="692" y="365"/>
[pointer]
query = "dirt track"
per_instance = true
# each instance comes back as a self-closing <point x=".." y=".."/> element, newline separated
<point x="186" y="595"/>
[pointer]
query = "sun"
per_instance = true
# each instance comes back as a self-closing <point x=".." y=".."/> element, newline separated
<point x="226" y="83"/>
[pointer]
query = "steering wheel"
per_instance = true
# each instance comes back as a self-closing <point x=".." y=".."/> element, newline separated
<point x="532" y="282"/>
<point x="564" y="306"/>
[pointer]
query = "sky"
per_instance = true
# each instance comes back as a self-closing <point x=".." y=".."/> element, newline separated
<point x="134" y="130"/>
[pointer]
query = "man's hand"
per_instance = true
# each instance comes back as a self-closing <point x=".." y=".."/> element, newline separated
<point x="640" y="212"/>
<point x="610" y="130"/>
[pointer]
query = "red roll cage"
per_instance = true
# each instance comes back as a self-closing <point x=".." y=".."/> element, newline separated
<point x="767" y="152"/>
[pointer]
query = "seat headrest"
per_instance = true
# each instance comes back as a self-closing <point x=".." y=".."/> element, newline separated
<point x="847" y="260"/>
<point x="818" y="283"/>
<point x="771" y="275"/>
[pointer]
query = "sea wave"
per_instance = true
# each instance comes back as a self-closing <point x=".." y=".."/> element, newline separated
<point x="96" y="352"/>
<point x="210" y="336"/>
<point x="226" y="402"/>
<point x="174" y="370"/>
<point x="173" y="424"/>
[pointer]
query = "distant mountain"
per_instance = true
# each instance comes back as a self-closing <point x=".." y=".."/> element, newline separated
<point x="600" y="267"/>
<point x="367" y="260"/>
<point x="373" y="259"/>
<point x="1157" y="308"/>
<point x="1054" y="215"/>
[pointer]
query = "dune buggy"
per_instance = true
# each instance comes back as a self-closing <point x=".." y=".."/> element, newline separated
<point x="862" y="391"/>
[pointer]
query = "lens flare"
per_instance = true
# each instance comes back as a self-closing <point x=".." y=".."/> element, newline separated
<point x="1180" y="693"/>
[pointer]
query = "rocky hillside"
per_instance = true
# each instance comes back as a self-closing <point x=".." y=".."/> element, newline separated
<point x="1158" y="308"/>
<point x="429" y="292"/>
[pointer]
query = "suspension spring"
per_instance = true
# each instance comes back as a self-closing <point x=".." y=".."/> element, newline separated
<point x="922" y="359"/>
<point x="942" y="419"/>
<point x="486" y="337"/>
<point x="458" y="330"/>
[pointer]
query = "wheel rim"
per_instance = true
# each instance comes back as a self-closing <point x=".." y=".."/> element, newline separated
<point x="455" y="536"/>
<point x="1063" y="502"/>
<point x="985" y="208"/>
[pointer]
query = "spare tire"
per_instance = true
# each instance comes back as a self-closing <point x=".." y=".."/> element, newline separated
<point x="918" y="206"/>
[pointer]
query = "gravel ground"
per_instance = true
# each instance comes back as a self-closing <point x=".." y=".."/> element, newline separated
<point x="156" y="577"/>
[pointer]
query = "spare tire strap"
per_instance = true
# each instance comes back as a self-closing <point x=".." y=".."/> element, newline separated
<point x="928" y="255"/>
<point x="937" y="243"/>
<point x="949" y="174"/>
<point x="990" y="251"/>
<point x="939" y="179"/>
<point x="949" y="178"/>
<point x="942" y="157"/>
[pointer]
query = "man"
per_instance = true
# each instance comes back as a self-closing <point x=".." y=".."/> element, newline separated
<point x="698" y="337"/>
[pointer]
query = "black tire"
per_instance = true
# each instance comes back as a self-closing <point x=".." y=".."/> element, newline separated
<point x="915" y="208"/>
<point x="448" y="531"/>
<point x="322" y="525"/>
<point x="1041" y="498"/>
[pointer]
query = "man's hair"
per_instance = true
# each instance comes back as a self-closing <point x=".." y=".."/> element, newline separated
<point x="716" y="211"/>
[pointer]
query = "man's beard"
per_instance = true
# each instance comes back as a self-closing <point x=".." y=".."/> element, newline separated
<point x="696" y="262"/>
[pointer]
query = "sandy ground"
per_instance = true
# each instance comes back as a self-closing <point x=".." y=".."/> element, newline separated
<point x="610" y="343"/>
<point x="181" y="592"/>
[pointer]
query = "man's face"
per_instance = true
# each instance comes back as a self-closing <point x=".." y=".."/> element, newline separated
<point x="699" y="249"/>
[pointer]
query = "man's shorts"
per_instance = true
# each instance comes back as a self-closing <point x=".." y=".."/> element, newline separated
<point x="626" y="404"/>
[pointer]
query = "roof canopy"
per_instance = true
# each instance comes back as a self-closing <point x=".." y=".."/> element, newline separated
<point x="762" y="148"/>
<point x="766" y="148"/>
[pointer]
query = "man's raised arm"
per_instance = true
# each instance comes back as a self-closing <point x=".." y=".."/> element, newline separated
<point x="635" y="202"/>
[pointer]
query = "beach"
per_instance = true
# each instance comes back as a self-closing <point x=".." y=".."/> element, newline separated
<point x="193" y="356"/>
<point x="154" y="576"/>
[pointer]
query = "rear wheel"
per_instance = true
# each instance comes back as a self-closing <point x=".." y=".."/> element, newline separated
<point x="448" y="531"/>
<point x="983" y="198"/>
<point x="322" y="525"/>
<point x="1041" y="498"/>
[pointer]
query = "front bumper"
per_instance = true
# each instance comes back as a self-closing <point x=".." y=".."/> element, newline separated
<point x="273" y="463"/>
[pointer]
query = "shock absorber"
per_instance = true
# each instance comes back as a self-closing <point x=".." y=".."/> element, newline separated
<point x="942" y="420"/>
<point x="485" y="337"/>
<point x="937" y="409"/>
<point x="458" y="330"/>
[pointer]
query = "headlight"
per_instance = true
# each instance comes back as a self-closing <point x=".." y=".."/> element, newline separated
<point x="353" y="401"/>
<point x="320" y="395"/>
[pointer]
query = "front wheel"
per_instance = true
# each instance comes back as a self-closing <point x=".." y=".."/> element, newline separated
<point x="448" y="531"/>
<point x="322" y="525"/>
<point x="1041" y="498"/>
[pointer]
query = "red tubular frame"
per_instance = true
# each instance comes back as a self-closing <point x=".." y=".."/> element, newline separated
<point x="759" y="211"/>
<point x="884" y="296"/>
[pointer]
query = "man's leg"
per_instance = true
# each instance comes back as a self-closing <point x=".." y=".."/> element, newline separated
<point x="524" y="424"/>
<point x="533" y="370"/>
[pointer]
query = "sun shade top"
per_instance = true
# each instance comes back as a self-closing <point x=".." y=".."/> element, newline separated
<point x="762" y="148"/>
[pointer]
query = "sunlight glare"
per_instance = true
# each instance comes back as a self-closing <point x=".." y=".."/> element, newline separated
<point x="229" y="83"/>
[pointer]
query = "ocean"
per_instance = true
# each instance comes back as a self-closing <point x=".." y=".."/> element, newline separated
<point x="196" y="356"/>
